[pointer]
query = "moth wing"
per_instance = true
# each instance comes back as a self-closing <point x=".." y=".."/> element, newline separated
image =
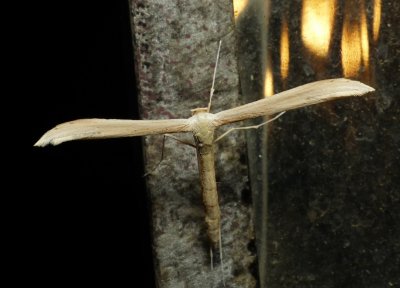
<point x="110" y="128"/>
<point x="305" y="95"/>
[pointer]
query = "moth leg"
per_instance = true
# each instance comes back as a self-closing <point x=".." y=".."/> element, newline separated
<point x="249" y="127"/>
<point x="162" y="151"/>
<point x="220" y="256"/>
<point x="211" y="259"/>
<point x="179" y="140"/>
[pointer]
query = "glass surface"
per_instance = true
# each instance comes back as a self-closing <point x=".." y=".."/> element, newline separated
<point x="331" y="171"/>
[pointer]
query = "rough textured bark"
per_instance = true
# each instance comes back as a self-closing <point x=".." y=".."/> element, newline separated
<point x="175" y="45"/>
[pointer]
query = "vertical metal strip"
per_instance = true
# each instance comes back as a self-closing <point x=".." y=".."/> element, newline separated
<point x="252" y="27"/>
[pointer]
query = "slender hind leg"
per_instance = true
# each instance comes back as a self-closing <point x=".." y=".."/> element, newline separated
<point x="220" y="256"/>
<point x="249" y="127"/>
<point x="211" y="259"/>
<point x="162" y="151"/>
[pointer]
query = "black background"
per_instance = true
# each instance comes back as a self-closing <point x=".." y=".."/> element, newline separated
<point x="82" y="210"/>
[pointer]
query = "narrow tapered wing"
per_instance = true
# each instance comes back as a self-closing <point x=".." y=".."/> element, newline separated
<point x="110" y="128"/>
<point x="305" y="95"/>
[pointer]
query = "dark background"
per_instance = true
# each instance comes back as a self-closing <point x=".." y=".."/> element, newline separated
<point x="82" y="205"/>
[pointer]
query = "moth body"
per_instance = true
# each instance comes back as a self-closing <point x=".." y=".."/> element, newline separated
<point x="203" y="133"/>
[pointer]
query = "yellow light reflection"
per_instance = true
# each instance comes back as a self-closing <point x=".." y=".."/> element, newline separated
<point x="355" y="42"/>
<point x="351" y="49"/>
<point x="284" y="50"/>
<point x="317" y="19"/>
<point x="238" y="6"/>
<point x="268" y="81"/>
<point x="377" y="19"/>
<point x="364" y="39"/>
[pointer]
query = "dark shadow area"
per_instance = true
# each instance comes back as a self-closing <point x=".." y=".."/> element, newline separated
<point x="84" y="215"/>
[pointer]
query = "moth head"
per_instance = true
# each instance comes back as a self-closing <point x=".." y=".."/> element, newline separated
<point x="199" y="110"/>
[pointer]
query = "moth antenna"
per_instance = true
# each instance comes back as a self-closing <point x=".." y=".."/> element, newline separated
<point x="213" y="81"/>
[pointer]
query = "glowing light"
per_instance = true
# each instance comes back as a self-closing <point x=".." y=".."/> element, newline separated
<point x="364" y="39"/>
<point x="284" y="50"/>
<point x="268" y="81"/>
<point x="238" y="6"/>
<point x="355" y="42"/>
<point x="317" y="20"/>
<point x="376" y="24"/>
<point x="351" y="49"/>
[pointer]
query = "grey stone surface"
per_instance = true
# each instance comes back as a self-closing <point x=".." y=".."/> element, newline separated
<point x="175" y="45"/>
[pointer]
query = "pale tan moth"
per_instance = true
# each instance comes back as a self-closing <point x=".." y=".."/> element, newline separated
<point x="203" y="124"/>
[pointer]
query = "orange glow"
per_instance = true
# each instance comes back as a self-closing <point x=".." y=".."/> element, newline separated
<point x="317" y="20"/>
<point x="238" y="6"/>
<point x="284" y="50"/>
<point x="355" y="43"/>
<point x="268" y="81"/>
<point x="377" y="19"/>
<point x="364" y="39"/>
<point x="351" y="49"/>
